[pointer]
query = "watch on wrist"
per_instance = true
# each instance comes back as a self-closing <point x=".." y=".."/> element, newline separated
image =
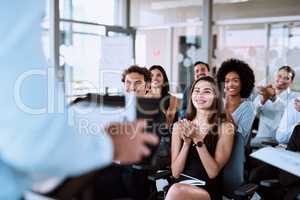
<point x="198" y="144"/>
<point x="273" y="98"/>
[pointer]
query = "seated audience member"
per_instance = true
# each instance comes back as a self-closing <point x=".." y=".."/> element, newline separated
<point x="271" y="103"/>
<point x="289" y="125"/>
<point x="290" y="118"/>
<point x="125" y="181"/>
<point x="236" y="79"/>
<point x="37" y="139"/>
<point x="201" y="144"/>
<point x="136" y="79"/>
<point x="160" y="89"/>
<point x="200" y="69"/>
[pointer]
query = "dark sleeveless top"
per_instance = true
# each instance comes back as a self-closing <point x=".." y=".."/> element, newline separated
<point x="195" y="168"/>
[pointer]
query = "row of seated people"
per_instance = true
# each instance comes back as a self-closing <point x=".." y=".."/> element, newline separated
<point x="203" y="102"/>
<point x="278" y="111"/>
<point x="215" y="109"/>
<point x="276" y="106"/>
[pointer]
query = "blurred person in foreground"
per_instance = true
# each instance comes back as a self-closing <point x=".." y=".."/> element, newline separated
<point x="31" y="132"/>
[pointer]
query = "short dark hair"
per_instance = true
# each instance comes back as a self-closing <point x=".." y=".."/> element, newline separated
<point x="244" y="71"/>
<point x="137" y="69"/>
<point x="202" y="63"/>
<point x="288" y="69"/>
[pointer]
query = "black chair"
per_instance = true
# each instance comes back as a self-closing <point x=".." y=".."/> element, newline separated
<point x="276" y="190"/>
<point x="235" y="172"/>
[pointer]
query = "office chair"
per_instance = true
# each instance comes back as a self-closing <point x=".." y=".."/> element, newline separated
<point x="291" y="192"/>
<point x="235" y="172"/>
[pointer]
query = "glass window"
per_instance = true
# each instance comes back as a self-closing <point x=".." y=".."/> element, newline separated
<point x="176" y="49"/>
<point x="245" y="42"/>
<point x="294" y="52"/>
<point x="187" y="49"/>
<point x="278" y="47"/>
<point x="285" y="49"/>
<point x="152" y="48"/>
<point x="80" y="49"/>
<point x="45" y="33"/>
<point x="80" y="43"/>
<point x="97" y="11"/>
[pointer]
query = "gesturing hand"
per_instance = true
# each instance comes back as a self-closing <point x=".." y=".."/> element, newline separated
<point x="183" y="130"/>
<point x="130" y="141"/>
<point x="193" y="131"/>
<point x="266" y="92"/>
<point x="199" y="131"/>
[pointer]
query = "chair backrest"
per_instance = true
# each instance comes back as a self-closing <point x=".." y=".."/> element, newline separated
<point x="233" y="172"/>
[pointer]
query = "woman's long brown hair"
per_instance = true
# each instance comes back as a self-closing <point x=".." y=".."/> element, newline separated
<point x="218" y="114"/>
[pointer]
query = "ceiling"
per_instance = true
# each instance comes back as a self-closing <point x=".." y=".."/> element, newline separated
<point x="167" y="4"/>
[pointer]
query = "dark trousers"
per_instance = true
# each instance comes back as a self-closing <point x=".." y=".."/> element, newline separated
<point x="109" y="184"/>
<point x="137" y="184"/>
<point x="120" y="181"/>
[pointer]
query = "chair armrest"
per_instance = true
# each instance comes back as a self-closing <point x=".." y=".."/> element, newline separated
<point x="270" y="183"/>
<point x="246" y="190"/>
<point x="160" y="175"/>
<point x="270" y="143"/>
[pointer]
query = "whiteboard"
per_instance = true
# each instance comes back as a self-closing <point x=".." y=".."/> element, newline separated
<point x="116" y="56"/>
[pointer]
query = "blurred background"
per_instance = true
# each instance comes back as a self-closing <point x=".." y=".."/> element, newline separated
<point x="91" y="41"/>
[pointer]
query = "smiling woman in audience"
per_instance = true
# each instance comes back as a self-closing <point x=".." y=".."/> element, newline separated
<point x="160" y="89"/>
<point x="201" y="145"/>
<point x="236" y="79"/>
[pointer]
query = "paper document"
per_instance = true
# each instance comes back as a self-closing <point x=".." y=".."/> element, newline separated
<point x="283" y="159"/>
<point x="191" y="180"/>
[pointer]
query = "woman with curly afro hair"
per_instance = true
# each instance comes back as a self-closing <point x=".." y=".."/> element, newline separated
<point x="236" y="79"/>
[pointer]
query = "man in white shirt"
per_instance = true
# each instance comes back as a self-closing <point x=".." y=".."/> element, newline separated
<point x="290" y="119"/>
<point x="36" y="138"/>
<point x="271" y="103"/>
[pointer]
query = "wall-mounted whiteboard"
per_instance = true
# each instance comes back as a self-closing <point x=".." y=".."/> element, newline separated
<point x="116" y="55"/>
